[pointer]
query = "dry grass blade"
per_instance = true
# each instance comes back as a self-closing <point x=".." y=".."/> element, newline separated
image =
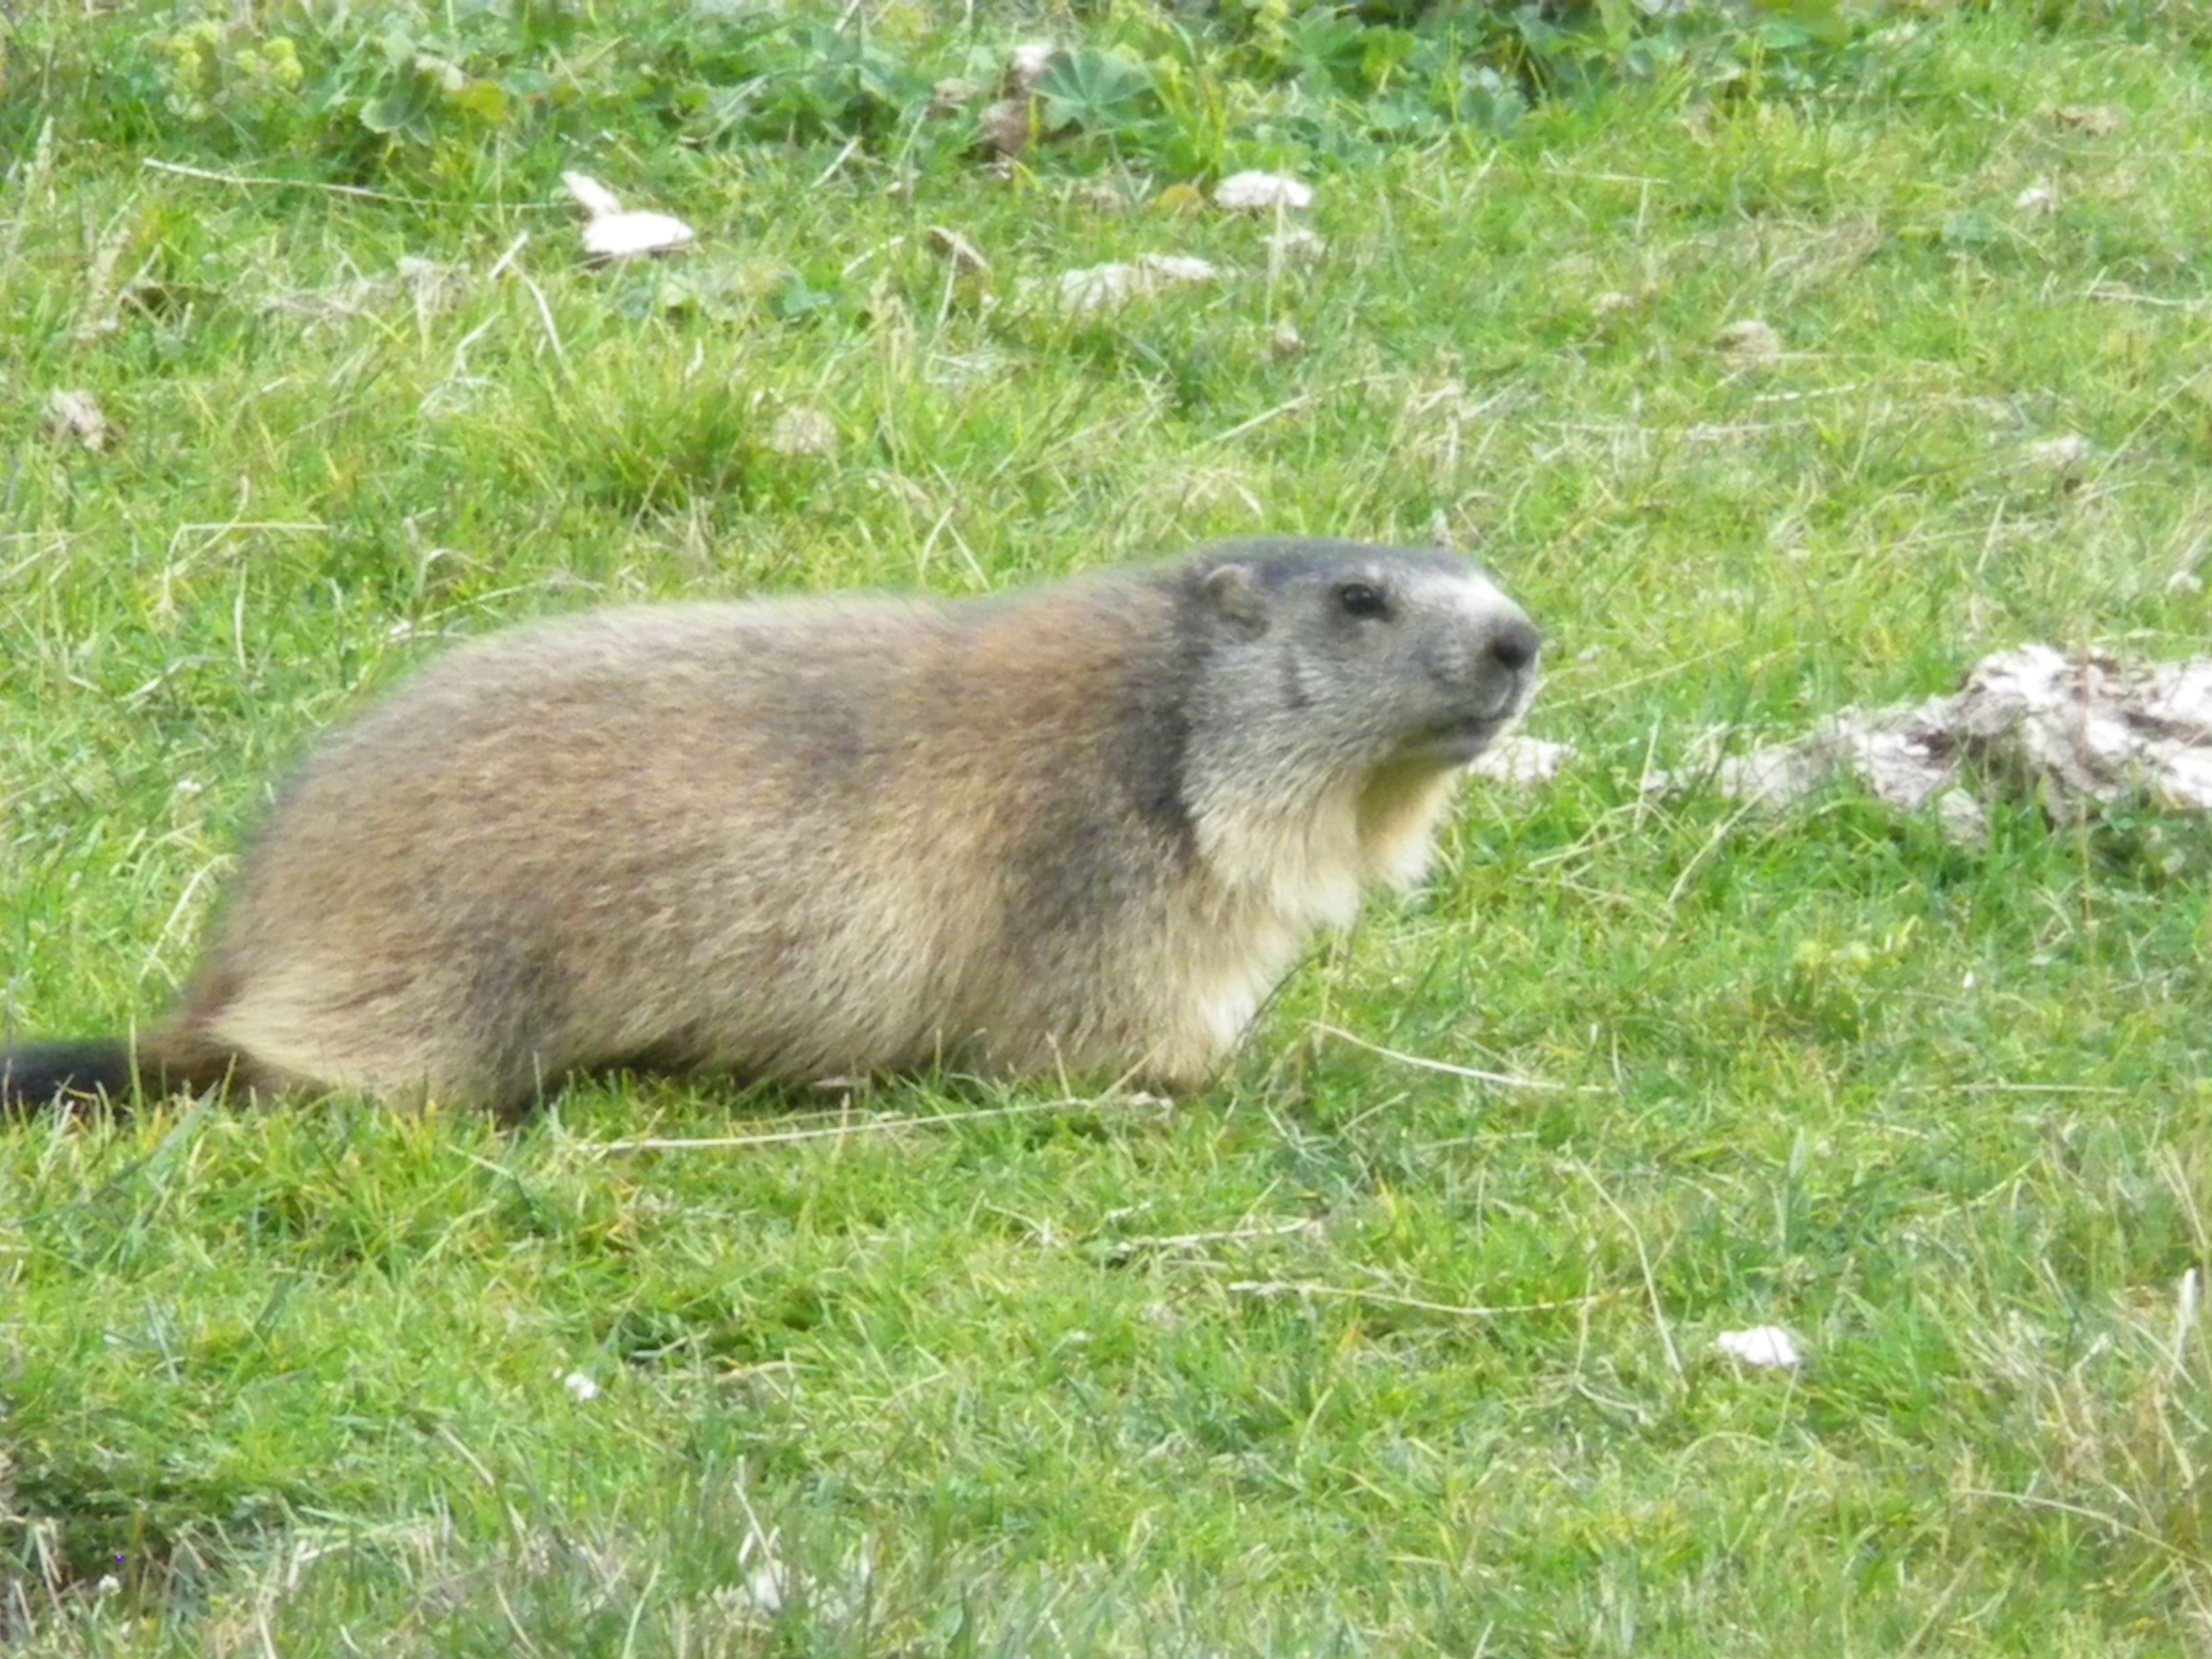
<point x="360" y="192"/>
<point x="867" y="1126"/>
<point x="1644" y="1261"/>
<point x="1121" y="1249"/>
<point x="2163" y="1545"/>
<point x="1503" y="1080"/>
<point x="1392" y="1299"/>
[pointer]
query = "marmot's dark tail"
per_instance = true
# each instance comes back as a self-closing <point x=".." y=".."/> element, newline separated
<point x="37" y="1075"/>
<point x="46" y="1073"/>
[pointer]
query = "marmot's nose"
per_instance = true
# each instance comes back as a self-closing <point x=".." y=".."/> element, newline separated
<point x="1515" y="644"/>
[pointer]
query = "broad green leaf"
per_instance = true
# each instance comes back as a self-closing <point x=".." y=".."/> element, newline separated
<point x="1092" y="88"/>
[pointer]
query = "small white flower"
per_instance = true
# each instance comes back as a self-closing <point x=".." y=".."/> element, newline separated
<point x="1261" y="191"/>
<point x="1762" y="1345"/>
<point x="2036" y="199"/>
<point x="580" y="1388"/>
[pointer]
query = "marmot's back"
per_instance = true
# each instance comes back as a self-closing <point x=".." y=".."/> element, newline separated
<point x="1085" y="826"/>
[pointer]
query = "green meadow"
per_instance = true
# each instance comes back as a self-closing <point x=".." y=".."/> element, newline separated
<point x="1352" y="1352"/>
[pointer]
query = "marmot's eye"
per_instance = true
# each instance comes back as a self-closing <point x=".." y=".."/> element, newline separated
<point x="1359" y="599"/>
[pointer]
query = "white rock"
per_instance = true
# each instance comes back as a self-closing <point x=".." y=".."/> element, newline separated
<point x="598" y="200"/>
<point x="628" y="235"/>
<point x="1767" y="1346"/>
<point x="77" y="415"/>
<point x="1261" y="191"/>
<point x="2074" y="731"/>
<point x="1520" y="762"/>
<point x="613" y="234"/>
<point x="2059" y="454"/>
<point x="1005" y="125"/>
<point x="1166" y="269"/>
<point x="1025" y="63"/>
<point x="1964" y="821"/>
<point x="1095" y="287"/>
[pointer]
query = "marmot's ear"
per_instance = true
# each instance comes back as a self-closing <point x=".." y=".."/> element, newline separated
<point x="1234" y="595"/>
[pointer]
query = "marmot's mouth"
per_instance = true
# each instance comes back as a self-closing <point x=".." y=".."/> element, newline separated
<point x="1455" y="743"/>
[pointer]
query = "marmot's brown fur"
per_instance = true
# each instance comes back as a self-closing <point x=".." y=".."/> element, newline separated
<point x="1083" y="827"/>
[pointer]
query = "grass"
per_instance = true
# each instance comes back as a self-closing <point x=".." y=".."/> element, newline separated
<point x="1346" y="1354"/>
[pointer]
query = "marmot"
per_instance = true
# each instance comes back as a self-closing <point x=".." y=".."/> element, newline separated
<point x="1083" y="827"/>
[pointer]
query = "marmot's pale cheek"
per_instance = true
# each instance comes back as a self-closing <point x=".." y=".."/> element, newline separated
<point x="1083" y="827"/>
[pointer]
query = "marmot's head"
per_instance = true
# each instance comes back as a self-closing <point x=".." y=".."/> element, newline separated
<point x="1343" y="654"/>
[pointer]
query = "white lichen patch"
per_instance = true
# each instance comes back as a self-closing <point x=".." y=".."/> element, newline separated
<point x="76" y="416"/>
<point x="1261" y="192"/>
<point x="1099" y="288"/>
<point x="2073" y="732"/>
